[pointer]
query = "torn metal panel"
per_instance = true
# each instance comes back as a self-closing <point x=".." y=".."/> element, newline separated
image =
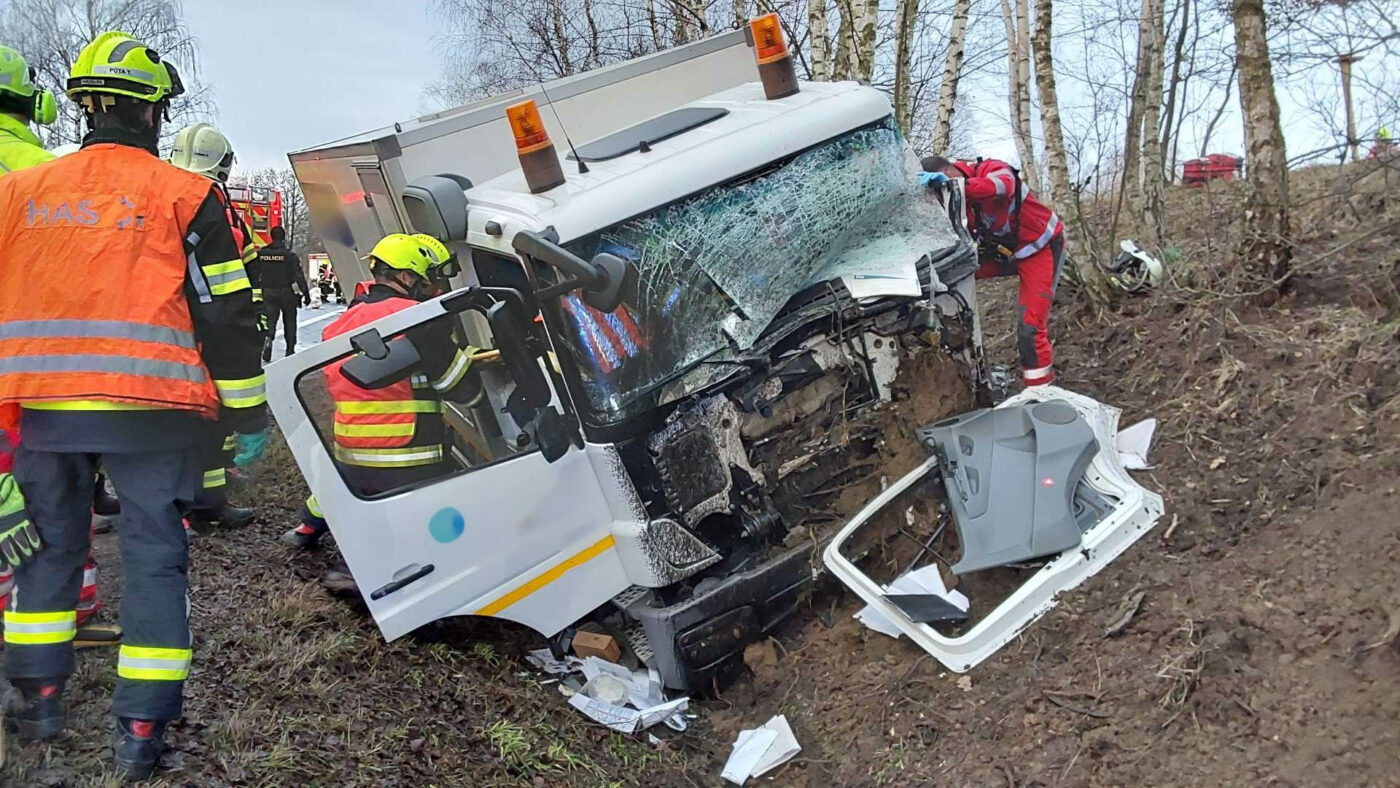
<point x="1132" y="511"/>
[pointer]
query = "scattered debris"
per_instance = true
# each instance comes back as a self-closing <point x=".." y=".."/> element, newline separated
<point x="596" y="644"/>
<point x="1391" y="633"/>
<point x="1133" y="444"/>
<point x="623" y="719"/>
<point x="543" y="659"/>
<point x="608" y="689"/>
<point x="1171" y="529"/>
<point x="1217" y="462"/>
<point x="1126" y="610"/>
<point x="923" y="582"/>
<point x="964" y="683"/>
<point x="761" y="750"/>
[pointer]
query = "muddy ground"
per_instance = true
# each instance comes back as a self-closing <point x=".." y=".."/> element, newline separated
<point x="1264" y="650"/>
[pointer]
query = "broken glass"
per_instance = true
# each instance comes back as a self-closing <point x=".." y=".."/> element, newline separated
<point x="715" y="268"/>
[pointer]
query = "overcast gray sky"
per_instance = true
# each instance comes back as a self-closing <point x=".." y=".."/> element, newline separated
<point x="295" y="73"/>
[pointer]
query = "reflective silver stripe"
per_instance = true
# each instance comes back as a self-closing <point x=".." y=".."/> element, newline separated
<point x="97" y="329"/>
<point x="231" y="276"/>
<point x="12" y="627"/>
<point x="153" y="664"/>
<point x="125" y="365"/>
<point x="1050" y="227"/>
<point x="454" y="374"/>
<point x="8" y="521"/>
<point x="997" y="182"/>
<point x="256" y="390"/>
<point x="119" y="51"/>
<point x="201" y="287"/>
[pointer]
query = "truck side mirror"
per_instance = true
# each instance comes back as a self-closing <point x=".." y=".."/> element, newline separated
<point x="377" y="363"/>
<point x="508" y="328"/>
<point x="437" y="205"/>
<point x="601" y="279"/>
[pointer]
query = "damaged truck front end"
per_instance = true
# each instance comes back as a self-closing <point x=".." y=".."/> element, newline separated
<point x="693" y="346"/>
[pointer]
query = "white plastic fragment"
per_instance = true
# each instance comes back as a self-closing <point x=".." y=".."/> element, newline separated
<point x="623" y="719"/>
<point x="1133" y="443"/>
<point x="925" y="580"/>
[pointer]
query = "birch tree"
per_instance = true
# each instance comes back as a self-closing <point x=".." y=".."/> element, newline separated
<point x="819" y="47"/>
<point x="906" y="15"/>
<point x="952" y="71"/>
<point x="1055" y="158"/>
<point x="1153" y="194"/>
<point x="1016" y="18"/>
<point x="1264" y="250"/>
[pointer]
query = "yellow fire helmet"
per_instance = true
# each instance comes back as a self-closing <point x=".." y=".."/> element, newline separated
<point x="119" y="65"/>
<point x="403" y="252"/>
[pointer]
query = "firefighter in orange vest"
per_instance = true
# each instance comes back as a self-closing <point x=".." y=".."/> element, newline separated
<point x="127" y="328"/>
<point x="392" y="437"/>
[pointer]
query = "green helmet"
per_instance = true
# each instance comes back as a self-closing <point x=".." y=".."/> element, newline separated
<point x="117" y="64"/>
<point x="404" y="252"/>
<point x="18" y="92"/>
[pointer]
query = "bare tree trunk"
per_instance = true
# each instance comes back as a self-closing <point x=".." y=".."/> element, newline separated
<point x="820" y="46"/>
<point x="906" y="14"/>
<point x="654" y="24"/>
<point x="561" y="38"/>
<point x="1030" y="173"/>
<point x="1344" y="63"/>
<point x="863" y="62"/>
<point x="1168" y="126"/>
<point x="1091" y="276"/>
<point x="741" y="14"/>
<point x="595" y="54"/>
<point x="1019" y="93"/>
<point x="952" y="70"/>
<point x="1131" y="186"/>
<point x="1055" y="158"/>
<point x="1264" y="250"/>
<point x="1153" y="185"/>
<point x="845" y="40"/>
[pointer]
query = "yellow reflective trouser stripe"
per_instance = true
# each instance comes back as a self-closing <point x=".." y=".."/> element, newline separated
<point x="37" y="629"/>
<point x="250" y="253"/>
<point x="244" y="393"/>
<point x="257" y="295"/>
<point x="375" y="430"/>
<point x="214" y="478"/>
<point x="456" y="371"/>
<point x="229" y="442"/>
<point x="314" y="507"/>
<point x="363" y="407"/>
<point x="389" y="458"/>
<point x="153" y="664"/>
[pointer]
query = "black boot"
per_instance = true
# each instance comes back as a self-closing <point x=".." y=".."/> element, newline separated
<point x="105" y="507"/>
<point x="136" y="747"/>
<point x="226" y="516"/>
<point x="40" y="715"/>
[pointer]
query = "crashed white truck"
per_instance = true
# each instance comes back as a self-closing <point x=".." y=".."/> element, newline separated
<point x="676" y="328"/>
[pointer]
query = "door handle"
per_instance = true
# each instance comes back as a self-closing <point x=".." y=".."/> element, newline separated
<point x="395" y="585"/>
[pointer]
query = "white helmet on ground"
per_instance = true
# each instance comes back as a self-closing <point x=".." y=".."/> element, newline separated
<point x="1136" y="271"/>
<point x="202" y="149"/>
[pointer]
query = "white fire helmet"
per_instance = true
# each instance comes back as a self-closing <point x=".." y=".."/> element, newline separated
<point x="202" y="149"/>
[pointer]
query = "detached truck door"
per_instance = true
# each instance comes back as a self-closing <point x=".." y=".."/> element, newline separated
<point x="510" y="536"/>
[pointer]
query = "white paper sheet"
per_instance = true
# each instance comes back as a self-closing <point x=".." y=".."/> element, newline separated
<point x="623" y="719"/>
<point x="782" y="749"/>
<point x="925" y="580"/>
<point x="1133" y="443"/>
<point x="748" y="750"/>
<point x="544" y="660"/>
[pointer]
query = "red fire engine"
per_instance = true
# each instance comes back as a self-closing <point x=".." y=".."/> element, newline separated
<point x="1215" y="167"/>
<point x="261" y="209"/>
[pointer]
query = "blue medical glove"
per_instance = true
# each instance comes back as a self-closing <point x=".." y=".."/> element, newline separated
<point x="250" y="447"/>
<point x="929" y="178"/>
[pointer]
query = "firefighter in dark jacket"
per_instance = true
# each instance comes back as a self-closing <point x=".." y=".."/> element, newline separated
<point x="277" y="272"/>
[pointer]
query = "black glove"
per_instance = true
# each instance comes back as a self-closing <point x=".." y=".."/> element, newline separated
<point x="306" y="299"/>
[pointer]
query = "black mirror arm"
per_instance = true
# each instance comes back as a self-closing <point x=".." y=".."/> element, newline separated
<point x="563" y="288"/>
<point x="537" y="247"/>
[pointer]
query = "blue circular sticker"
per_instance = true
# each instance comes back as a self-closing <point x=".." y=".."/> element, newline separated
<point x="447" y="525"/>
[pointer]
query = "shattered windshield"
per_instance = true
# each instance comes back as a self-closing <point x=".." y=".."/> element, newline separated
<point x="715" y="268"/>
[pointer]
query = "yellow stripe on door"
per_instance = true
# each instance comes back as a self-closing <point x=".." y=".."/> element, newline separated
<point x="548" y="576"/>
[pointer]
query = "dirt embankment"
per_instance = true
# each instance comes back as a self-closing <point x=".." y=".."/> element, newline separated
<point x="1264" y="650"/>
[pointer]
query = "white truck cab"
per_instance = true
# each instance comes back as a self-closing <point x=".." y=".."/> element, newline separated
<point x="671" y="335"/>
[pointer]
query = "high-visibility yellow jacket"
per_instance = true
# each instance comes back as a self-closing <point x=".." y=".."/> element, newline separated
<point x="19" y="147"/>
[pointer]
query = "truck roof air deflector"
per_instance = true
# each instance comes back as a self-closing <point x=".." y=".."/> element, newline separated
<point x="647" y="133"/>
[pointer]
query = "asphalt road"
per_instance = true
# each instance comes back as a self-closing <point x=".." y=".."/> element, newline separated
<point x="310" y="321"/>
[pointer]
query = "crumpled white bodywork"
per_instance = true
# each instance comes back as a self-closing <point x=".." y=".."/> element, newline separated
<point x="1135" y="511"/>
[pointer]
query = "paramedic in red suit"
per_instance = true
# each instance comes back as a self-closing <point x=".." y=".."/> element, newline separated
<point x="1016" y="234"/>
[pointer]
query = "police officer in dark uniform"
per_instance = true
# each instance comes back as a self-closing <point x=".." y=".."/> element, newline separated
<point x="278" y="272"/>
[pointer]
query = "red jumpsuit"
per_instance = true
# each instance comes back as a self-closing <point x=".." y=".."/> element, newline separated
<point x="1037" y="252"/>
